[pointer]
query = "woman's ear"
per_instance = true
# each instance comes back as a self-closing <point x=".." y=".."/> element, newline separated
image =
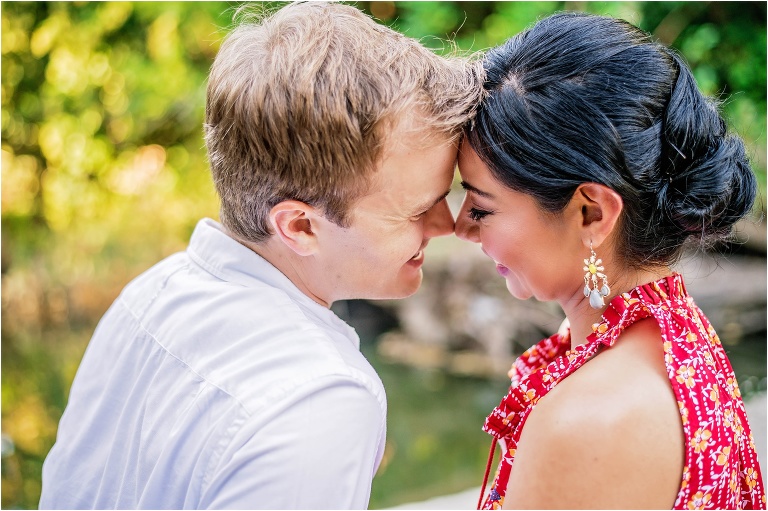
<point x="292" y="222"/>
<point x="600" y="208"/>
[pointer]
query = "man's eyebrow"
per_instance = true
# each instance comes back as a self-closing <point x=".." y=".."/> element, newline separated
<point x="427" y="206"/>
<point x="468" y="187"/>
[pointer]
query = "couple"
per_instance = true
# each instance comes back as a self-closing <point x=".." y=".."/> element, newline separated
<point x="220" y="378"/>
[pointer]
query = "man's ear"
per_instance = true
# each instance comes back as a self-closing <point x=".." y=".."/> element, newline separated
<point x="600" y="209"/>
<point x="292" y="222"/>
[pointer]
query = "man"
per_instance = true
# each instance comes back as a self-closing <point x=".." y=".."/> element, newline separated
<point x="220" y="378"/>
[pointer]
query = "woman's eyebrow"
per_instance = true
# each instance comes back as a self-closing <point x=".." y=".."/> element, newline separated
<point x="468" y="187"/>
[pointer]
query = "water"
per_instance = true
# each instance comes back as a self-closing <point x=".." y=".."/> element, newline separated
<point x="435" y="445"/>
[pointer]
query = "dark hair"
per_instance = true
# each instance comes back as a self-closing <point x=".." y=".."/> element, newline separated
<point x="581" y="98"/>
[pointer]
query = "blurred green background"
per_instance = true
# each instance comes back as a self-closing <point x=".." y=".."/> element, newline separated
<point x="104" y="173"/>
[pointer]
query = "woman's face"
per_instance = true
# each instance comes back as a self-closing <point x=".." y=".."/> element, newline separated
<point x="539" y="254"/>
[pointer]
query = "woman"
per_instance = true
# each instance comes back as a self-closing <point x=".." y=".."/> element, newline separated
<point x="592" y="160"/>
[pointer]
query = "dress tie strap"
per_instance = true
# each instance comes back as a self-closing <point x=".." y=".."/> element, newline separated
<point x="487" y="471"/>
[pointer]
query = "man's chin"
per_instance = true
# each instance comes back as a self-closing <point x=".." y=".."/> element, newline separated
<point x="403" y="288"/>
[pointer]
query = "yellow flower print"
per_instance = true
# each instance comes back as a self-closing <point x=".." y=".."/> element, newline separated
<point x="602" y="328"/>
<point x="708" y="359"/>
<point x="713" y="335"/>
<point x="728" y="417"/>
<point x="733" y="387"/>
<point x="700" y="439"/>
<point x="699" y="500"/>
<point x="691" y="337"/>
<point x="685" y="375"/>
<point x="714" y="395"/>
<point x="683" y="412"/>
<point x="628" y="300"/>
<point x="530" y="394"/>
<point x="686" y="477"/>
<point x="738" y="429"/>
<point x="751" y="478"/>
<point x="733" y="484"/>
<point x="722" y="458"/>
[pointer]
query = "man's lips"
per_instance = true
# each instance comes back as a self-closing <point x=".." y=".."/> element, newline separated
<point x="418" y="257"/>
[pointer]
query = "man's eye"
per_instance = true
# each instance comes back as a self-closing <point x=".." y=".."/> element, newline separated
<point x="477" y="214"/>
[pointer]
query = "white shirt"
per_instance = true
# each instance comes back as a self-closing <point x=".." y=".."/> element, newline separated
<point x="213" y="382"/>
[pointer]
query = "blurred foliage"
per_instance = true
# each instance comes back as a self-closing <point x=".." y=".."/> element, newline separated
<point x="104" y="169"/>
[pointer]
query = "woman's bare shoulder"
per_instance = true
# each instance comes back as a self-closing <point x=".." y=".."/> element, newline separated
<point x="609" y="435"/>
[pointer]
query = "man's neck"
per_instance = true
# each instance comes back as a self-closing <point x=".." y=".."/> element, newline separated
<point x="293" y="266"/>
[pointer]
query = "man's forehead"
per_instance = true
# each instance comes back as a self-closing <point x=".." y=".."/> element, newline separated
<point x="413" y="129"/>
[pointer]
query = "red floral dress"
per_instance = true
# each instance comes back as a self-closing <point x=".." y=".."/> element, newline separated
<point x="721" y="469"/>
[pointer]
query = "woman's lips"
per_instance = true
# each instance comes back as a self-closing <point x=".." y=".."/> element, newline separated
<point x="503" y="270"/>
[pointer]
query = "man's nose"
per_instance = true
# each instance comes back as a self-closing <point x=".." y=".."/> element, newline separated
<point x="438" y="221"/>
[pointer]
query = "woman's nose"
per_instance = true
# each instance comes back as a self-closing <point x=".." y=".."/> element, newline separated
<point x="466" y="228"/>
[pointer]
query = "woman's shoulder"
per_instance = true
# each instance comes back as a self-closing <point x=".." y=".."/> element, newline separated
<point x="624" y="385"/>
<point x="621" y="384"/>
<point x="616" y="415"/>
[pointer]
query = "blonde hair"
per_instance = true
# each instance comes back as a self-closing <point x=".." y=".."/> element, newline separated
<point x="299" y="106"/>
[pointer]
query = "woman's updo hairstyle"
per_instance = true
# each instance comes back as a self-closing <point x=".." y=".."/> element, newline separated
<point x="581" y="98"/>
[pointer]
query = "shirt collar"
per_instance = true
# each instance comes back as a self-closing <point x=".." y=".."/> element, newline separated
<point x="224" y="257"/>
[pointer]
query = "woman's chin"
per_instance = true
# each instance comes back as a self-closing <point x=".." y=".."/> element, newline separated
<point x="516" y="290"/>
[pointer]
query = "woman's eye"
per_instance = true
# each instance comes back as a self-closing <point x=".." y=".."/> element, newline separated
<point x="477" y="214"/>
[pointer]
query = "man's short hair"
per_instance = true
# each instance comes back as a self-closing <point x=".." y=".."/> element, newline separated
<point x="300" y="103"/>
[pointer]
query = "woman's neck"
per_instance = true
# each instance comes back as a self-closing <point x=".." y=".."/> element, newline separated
<point x="582" y="316"/>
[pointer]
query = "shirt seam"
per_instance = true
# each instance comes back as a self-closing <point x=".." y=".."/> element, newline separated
<point x="170" y="353"/>
<point x="154" y="297"/>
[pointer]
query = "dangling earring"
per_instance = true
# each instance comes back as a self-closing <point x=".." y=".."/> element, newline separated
<point x="594" y="270"/>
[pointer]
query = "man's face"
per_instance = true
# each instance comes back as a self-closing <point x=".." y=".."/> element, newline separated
<point x="380" y="255"/>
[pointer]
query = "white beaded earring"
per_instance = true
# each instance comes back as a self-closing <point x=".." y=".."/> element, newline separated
<point x="594" y="270"/>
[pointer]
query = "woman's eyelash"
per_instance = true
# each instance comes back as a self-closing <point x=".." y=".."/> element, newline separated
<point x="477" y="214"/>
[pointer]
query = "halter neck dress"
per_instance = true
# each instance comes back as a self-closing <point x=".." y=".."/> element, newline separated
<point x="721" y="470"/>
